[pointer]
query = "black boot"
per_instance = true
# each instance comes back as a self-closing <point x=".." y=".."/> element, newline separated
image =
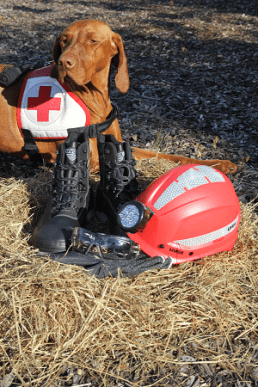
<point x="118" y="183"/>
<point x="68" y="202"/>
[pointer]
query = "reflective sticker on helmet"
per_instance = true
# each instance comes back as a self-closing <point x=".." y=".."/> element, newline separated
<point x="213" y="175"/>
<point x="173" y="191"/>
<point x="193" y="177"/>
<point x="211" y="236"/>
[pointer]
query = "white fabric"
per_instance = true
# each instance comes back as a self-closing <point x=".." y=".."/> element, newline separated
<point x="47" y="109"/>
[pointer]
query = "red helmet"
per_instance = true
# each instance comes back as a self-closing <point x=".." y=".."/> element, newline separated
<point x="188" y="213"/>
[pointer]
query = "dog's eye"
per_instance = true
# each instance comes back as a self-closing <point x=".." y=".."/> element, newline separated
<point x="93" y="41"/>
<point x="63" y="39"/>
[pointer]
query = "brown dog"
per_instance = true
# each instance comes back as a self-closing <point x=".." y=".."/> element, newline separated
<point x="83" y="54"/>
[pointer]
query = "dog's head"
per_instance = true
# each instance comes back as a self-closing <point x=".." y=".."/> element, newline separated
<point x="85" y="49"/>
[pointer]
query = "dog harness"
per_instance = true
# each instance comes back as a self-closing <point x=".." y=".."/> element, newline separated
<point x="47" y="108"/>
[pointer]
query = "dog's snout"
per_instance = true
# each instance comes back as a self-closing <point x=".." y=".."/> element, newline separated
<point x="66" y="62"/>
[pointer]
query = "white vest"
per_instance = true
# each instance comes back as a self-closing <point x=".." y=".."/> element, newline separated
<point x="48" y="108"/>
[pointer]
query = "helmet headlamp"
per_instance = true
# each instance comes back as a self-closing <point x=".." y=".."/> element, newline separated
<point x="133" y="216"/>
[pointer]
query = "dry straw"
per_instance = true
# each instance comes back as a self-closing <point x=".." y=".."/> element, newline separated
<point x="139" y="330"/>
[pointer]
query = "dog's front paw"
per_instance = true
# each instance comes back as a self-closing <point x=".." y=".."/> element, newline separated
<point x="225" y="166"/>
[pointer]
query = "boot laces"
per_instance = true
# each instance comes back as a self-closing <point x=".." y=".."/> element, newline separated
<point x="67" y="190"/>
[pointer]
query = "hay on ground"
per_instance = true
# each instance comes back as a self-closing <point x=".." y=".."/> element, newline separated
<point x="139" y="331"/>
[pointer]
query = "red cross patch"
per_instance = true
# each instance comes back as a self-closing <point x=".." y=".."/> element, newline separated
<point x="44" y="103"/>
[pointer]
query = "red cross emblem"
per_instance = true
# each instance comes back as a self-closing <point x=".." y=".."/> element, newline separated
<point x="44" y="103"/>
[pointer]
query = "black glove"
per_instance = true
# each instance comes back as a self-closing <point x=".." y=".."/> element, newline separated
<point x="109" y="264"/>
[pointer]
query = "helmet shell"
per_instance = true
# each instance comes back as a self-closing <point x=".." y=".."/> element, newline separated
<point x="196" y="213"/>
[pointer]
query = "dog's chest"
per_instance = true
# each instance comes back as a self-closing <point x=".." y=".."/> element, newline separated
<point x="48" y="108"/>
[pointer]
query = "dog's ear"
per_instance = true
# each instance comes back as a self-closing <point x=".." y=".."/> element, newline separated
<point x="120" y="61"/>
<point x="54" y="71"/>
<point x="56" y="50"/>
<point x="56" y="54"/>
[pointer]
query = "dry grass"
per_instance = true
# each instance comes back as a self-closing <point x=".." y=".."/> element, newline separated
<point x="137" y="330"/>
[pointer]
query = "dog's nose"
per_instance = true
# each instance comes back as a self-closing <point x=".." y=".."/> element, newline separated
<point x="66" y="62"/>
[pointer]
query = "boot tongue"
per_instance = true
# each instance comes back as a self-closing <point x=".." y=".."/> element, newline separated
<point x="70" y="159"/>
<point x="71" y="153"/>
